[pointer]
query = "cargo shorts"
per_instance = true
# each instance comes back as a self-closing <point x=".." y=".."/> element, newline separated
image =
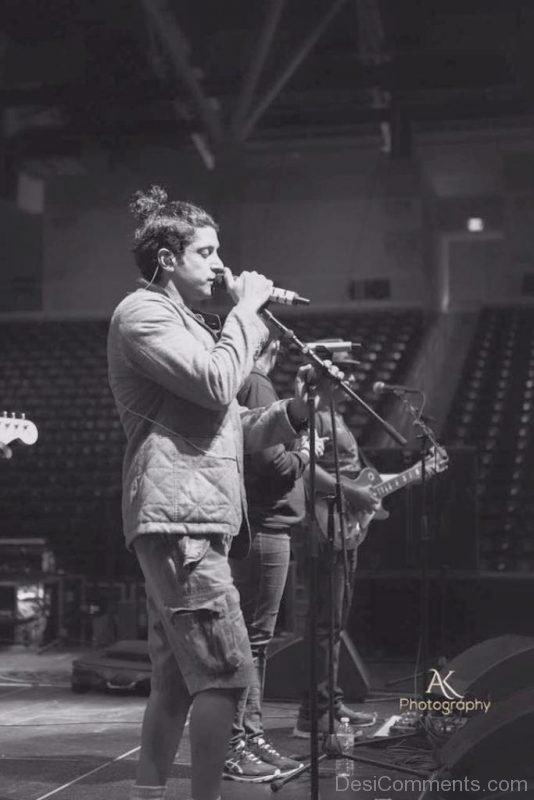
<point x="196" y="630"/>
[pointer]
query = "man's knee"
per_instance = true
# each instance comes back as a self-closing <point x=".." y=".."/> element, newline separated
<point x="174" y="697"/>
<point x="231" y="693"/>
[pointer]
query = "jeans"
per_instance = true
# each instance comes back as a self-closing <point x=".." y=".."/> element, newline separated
<point x="260" y="579"/>
<point x="341" y="609"/>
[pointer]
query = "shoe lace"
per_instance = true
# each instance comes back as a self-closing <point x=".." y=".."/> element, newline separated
<point x="247" y="755"/>
<point x="263" y="744"/>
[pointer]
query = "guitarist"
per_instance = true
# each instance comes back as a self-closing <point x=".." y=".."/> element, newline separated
<point x="361" y="500"/>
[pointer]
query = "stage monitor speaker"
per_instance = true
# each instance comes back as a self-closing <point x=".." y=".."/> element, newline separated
<point x="493" y="669"/>
<point x="288" y="665"/>
<point x="494" y="746"/>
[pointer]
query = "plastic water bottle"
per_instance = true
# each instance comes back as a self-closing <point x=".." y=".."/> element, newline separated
<point x="345" y="738"/>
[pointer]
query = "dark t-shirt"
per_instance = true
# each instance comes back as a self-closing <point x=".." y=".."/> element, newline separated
<point x="348" y="454"/>
<point x="275" y="491"/>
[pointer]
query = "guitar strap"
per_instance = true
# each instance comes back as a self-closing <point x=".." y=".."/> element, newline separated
<point x="364" y="458"/>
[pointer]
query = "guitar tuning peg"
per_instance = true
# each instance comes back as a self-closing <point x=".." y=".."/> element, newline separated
<point x="4" y="414"/>
<point x="13" y="415"/>
<point x="23" y="416"/>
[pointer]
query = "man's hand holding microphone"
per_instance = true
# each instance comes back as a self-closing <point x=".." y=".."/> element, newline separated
<point x="250" y="289"/>
<point x="255" y="290"/>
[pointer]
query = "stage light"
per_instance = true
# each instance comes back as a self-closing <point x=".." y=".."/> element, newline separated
<point x="475" y="224"/>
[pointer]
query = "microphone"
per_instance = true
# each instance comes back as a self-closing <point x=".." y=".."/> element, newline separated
<point x="287" y="297"/>
<point x="283" y="296"/>
<point x="379" y="387"/>
<point x="335" y="346"/>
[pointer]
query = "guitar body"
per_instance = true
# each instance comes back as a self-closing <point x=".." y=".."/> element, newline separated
<point x="356" y="523"/>
<point x="368" y="478"/>
<point x="354" y="534"/>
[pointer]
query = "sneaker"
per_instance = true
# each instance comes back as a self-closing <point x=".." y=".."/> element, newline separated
<point x="361" y="719"/>
<point x="269" y="755"/>
<point x="242" y="765"/>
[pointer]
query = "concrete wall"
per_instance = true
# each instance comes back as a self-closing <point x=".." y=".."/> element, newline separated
<point x="316" y="217"/>
<point x="312" y="219"/>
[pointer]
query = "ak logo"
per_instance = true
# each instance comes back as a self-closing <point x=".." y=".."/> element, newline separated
<point x="443" y="685"/>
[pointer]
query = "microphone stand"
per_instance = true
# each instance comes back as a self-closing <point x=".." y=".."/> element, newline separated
<point x="324" y="370"/>
<point x="426" y="436"/>
<point x="338" y="504"/>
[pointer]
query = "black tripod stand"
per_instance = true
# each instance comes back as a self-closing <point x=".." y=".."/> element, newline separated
<point x="428" y="464"/>
<point x="324" y="371"/>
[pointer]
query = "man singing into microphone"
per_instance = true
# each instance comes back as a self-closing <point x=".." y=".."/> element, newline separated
<point x="175" y="383"/>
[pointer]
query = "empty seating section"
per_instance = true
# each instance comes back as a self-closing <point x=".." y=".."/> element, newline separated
<point x="67" y="486"/>
<point x="493" y="410"/>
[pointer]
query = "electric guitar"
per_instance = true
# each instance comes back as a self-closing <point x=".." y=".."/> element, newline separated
<point x="357" y="522"/>
<point x="15" y="429"/>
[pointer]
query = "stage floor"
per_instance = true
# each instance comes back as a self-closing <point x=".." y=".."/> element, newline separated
<point x="56" y="744"/>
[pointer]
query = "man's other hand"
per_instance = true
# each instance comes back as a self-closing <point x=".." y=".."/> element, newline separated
<point x="360" y="498"/>
<point x="308" y="377"/>
<point x="304" y="445"/>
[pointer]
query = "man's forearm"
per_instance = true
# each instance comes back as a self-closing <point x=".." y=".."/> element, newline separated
<point x="278" y="462"/>
<point x="324" y="482"/>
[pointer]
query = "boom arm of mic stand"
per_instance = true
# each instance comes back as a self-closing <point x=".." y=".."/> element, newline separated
<point x="327" y="370"/>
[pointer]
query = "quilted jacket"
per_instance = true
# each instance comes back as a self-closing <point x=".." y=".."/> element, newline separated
<point x="175" y="385"/>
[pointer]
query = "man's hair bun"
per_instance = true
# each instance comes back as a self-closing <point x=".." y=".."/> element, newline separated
<point x="148" y="204"/>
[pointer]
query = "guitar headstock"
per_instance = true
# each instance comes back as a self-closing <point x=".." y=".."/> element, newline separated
<point x="436" y="461"/>
<point x="17" y="428"/>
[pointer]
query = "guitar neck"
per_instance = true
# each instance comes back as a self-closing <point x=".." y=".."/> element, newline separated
<point x="397" y="481"/>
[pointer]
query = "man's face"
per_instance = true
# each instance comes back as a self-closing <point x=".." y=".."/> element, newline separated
<point x="194" y="275"/>
<point x="340" y="396"/>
